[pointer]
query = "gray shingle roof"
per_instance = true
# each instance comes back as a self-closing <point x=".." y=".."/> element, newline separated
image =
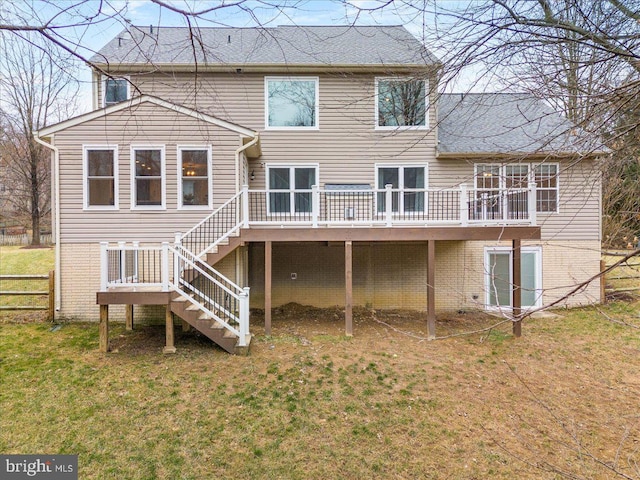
<point x="477" y="123"/>
<point x="291" y="45"/>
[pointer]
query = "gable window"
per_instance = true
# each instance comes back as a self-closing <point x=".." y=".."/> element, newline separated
<point x="410" y="180"/>
<point x="100" y="167"/>
<point x="147" y="177"/>
<point x="291" y="102"/>
<point x="290" y="188"/>
<point x="401" y="102"/>
<point x="499" y="277"/>
<point x="491" y="178"/>
<point x="116" y="90"/>
<point x="194" y="175"/>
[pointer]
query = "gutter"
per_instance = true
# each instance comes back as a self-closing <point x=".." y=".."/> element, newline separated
<point x="56" y="186"/>
<point x="239" y="150"/>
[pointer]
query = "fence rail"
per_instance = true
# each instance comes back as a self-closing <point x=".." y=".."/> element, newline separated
<point x="27" y="292"/>
<point x="24" y="239"/>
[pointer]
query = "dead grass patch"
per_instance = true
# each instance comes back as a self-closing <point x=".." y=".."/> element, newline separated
<point x="311" y="403"/>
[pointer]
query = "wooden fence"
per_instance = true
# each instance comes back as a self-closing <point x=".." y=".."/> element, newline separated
<point x="23" y="239"/>
<point x="623" y="279"/>
<point x="28" y="292"/>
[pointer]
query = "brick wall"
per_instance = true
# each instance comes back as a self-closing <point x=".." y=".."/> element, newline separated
<point x="385" y="275"/>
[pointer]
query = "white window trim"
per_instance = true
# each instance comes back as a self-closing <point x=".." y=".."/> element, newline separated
<point x="530" y="178"/>
<point x="85" y="178"/>
<point x="103" y="84"/>
<point x="487" y="277"/>
<point x="180" y="178"/>
<point x="267" y="79"/>
<point x="402" y="166"/>
<point x="402" y="127"/>
<point x="290" y="166"/>
<point x="134" y="192"/>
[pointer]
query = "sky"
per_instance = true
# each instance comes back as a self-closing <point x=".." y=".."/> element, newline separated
<point x="89" y="24"/>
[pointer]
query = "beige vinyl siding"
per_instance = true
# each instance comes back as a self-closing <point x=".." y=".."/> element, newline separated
<point x="346" y="145"/>
<point x="144" y="125"/>
<point x="579" y="202"/>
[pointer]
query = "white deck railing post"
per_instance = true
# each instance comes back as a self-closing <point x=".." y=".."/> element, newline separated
<point x="388" y="204"/>
<point x="244" y="317"/>
<point x="104" y="266"/>
<point x="245" y="206"/>
<point x="136" y="273"/>
<point x="176" y="260"/>
<point x="315" y="205"/>
<point x="532" y="203"/>
<point x="464" y="205"/>
<point x="165" y="266"/>
<point x="122" y="256"/>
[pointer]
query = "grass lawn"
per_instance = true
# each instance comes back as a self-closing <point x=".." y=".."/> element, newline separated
<point x="24" y="261"/>
<point x="562" y="401"/>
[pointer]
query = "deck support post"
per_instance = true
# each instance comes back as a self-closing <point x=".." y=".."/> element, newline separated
<point x="169" y="345"/>
<point x="267" y="287"/>
<point x="129" y="317"/>
<point x="431" y="290"/>
<point x="516" y="267"/>
<point x="348" y="280"/>
<point x="104" y="328"/>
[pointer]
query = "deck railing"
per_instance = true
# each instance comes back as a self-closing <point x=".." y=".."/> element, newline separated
<point x="173" y="268"/>
<point x="389" y="207"/>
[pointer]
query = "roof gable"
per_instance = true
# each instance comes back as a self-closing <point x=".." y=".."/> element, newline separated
<point x="288" y="45"/>
<point x="49" y="130"/>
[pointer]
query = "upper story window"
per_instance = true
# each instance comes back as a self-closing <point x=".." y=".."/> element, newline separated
<point x="194" y="175"/>
<point x="147" y="177"/>
<point x="491" y="178"/>
<point x="401" y="103"/>
<point x="291" y="103"/>
<point x="100" y="167"/>
<point x="116" y="90"/>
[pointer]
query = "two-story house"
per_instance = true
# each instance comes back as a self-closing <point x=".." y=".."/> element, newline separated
<point x="239" y="168"/>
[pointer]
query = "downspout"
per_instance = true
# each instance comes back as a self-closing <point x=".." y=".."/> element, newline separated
<point x="56" y="186"/>
<point x="240" y="150"/>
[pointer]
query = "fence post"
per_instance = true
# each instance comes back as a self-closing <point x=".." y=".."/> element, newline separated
<point x="165" y="266"/>
<point x="315" y="205"/>
<point x="388" y="204"/>
<point x="464" y="209"/>
<point x="52" y="302"/>
<point x="244" y="317"/>
<point x="533" y="207"/>
<point x="245" y="206"/>
<point x="104" y="266"/>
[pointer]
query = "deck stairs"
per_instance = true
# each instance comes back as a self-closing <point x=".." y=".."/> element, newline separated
<point x="206" y="299"/>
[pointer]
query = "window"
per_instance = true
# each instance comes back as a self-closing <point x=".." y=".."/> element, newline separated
<point x="401" y="103"/>
<point x="100" y="168"/>
<point x="546" y="177"/>
<point x="490" y="178"/>
<point x="116" y="90"/>
<point x="290" y="188"/>
<point x="147" y="177"/>
<point x="499" y="277"/>
<point x="411" y="180"/>
<point x="194" y="175"/>
<point x="291" y="102"/>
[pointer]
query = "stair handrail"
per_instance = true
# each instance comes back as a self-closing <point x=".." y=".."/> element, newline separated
<point x="240" y="294"/>
<point x="212" y="243"/>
